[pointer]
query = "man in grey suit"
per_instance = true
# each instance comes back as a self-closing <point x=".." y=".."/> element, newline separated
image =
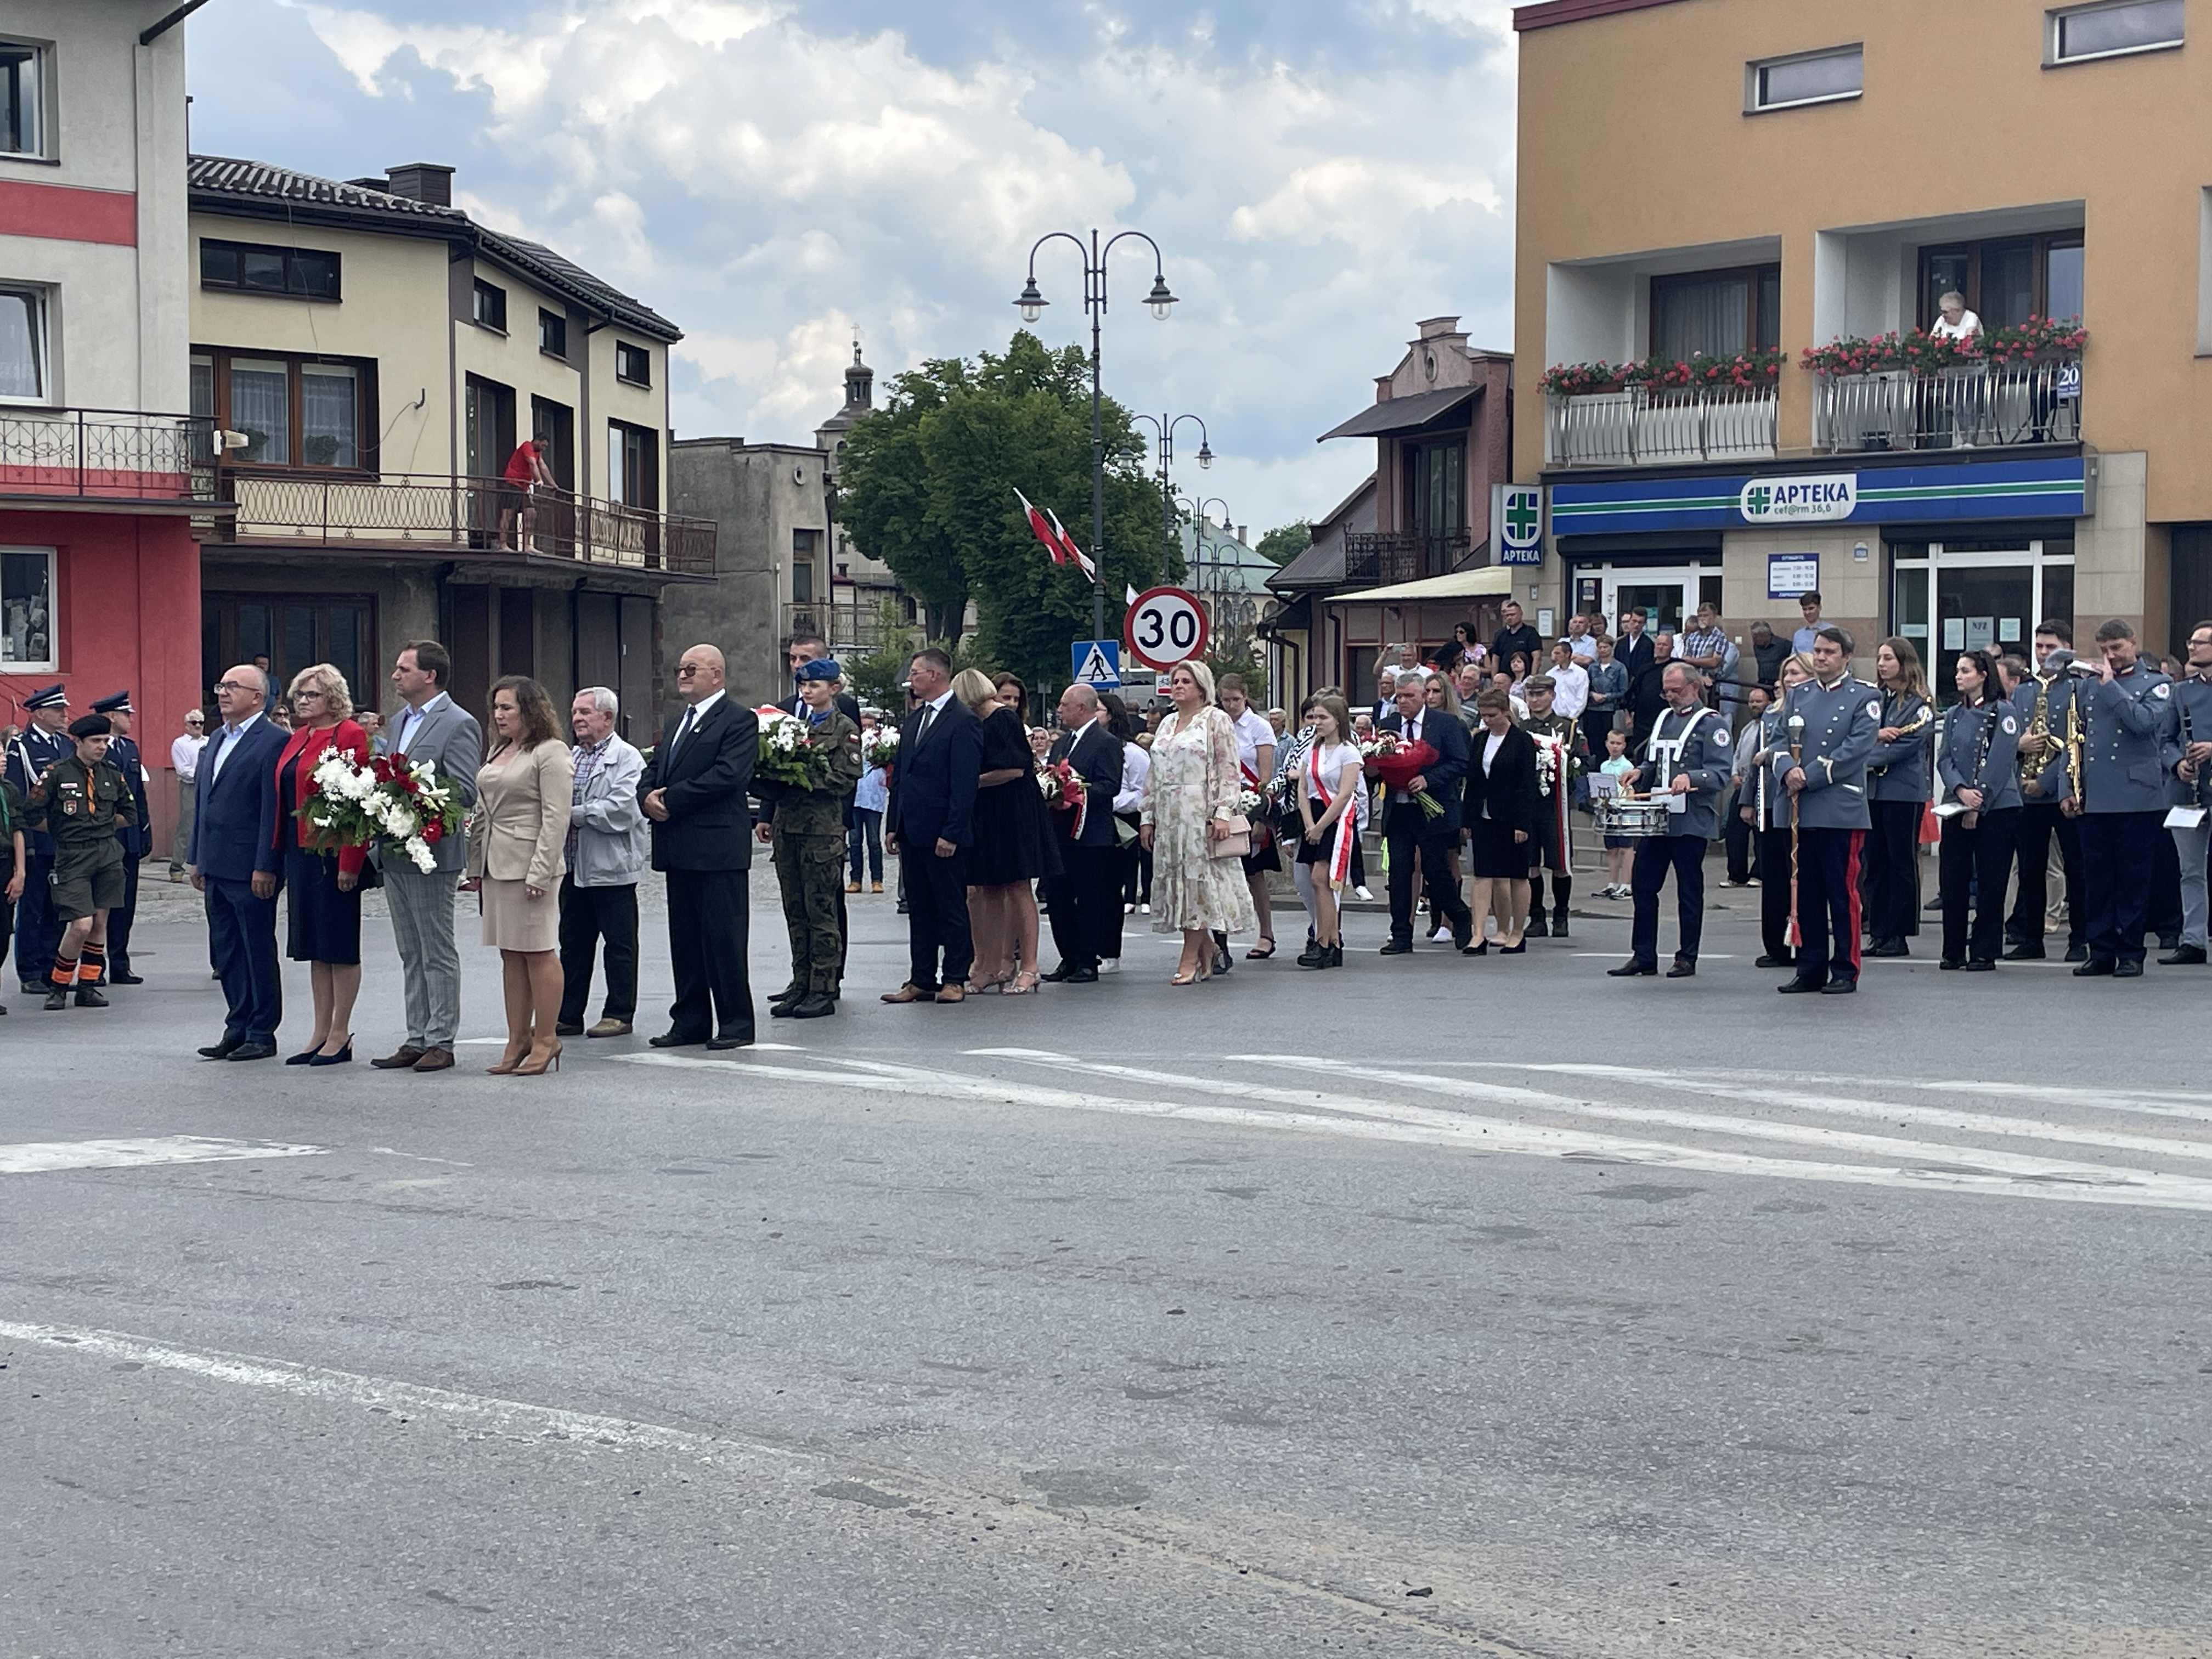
<point x="430" y="726"/>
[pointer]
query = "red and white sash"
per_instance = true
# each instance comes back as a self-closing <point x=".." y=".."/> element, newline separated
<point x="1339" y="854"/>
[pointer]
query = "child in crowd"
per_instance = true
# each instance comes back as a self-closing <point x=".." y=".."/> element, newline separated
<point x="1617" y="766"/>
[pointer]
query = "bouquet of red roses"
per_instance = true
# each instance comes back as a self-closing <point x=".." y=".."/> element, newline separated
<point x="1397" y="764"/>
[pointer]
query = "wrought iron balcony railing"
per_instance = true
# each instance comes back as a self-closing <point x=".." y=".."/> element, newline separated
<point x="434" y="514"/>
<point x="106" y="454"/>
<point x="1976" y="404"/>
<point x="1403" y="555"/>
<point x="1640" y="425"/>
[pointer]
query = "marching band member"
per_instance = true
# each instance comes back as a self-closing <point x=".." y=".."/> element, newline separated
<point x="1897" y="796"/>
<point x="2046" y="704"/>
<point x="1687" y="762"/>
<point x="1841" y="716"/>
<point x="2193" y="697"/>
<point x="1977" y="759"/>
<point x="2130" y="744"/>
<point x="1551" y="847"/>
<point x="1765" y="807"/>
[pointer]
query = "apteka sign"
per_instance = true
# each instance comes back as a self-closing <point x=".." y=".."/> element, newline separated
<point x="1823" y="499"/>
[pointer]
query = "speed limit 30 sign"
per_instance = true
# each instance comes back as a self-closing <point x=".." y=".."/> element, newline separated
<point x="1166" y="625"/>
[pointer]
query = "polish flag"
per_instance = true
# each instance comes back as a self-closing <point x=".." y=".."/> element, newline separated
<point x="1089" y="570"/>
<point x="1043" y="530"/>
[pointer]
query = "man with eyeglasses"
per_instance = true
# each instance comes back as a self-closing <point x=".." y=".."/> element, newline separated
<point x="184" y="759"/>
<point x="236" y="862"/>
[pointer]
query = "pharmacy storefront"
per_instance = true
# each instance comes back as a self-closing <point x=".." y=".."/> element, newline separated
<point x="1953" y="556"/>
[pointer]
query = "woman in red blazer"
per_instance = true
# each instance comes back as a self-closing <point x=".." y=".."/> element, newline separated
<point x="324" y="885"/>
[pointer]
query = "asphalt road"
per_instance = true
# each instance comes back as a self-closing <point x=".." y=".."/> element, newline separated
<point x="1426" y="1307"/>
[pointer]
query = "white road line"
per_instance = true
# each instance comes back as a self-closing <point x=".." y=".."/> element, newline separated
<point x="2147" y="1102"/>
<point x="36" y="1156"/>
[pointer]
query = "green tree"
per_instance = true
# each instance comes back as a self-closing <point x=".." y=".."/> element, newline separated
<point x="929" y="488"/>
<point x="1286" y="541"/>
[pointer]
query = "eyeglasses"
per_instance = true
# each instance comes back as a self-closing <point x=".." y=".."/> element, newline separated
<point x="234" y="685"/>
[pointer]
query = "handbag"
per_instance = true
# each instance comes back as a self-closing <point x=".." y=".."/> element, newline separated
<point x="1237" y="843"/>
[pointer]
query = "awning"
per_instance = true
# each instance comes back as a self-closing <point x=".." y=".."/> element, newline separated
<point x="1490" y="582"/>
<point x="1395" y="415"/>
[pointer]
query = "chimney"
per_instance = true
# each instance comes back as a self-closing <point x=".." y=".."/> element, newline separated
<point x="1244" y="534"/>
<point x="423" y="181"/>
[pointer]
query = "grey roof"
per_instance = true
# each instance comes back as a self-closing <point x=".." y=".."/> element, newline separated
<point x="1402" y="414"/>
<point x="1323" y="564"/>
<point x="227" y="175"/>
<point x="541" y="261"/>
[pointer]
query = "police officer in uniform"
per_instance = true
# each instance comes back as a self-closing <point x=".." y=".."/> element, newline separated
<point x="137" y="840"/>
<point x="80" y="801"/>
<point x="2131" y="746"/>
<point x="1689" y="760"/>
<point x="1842" y="720"/>
<point x="37" y="928"/>
<point x="2192" y="792"/>
<point x="1552" y="848"/>
<point x="2044" y="702"/>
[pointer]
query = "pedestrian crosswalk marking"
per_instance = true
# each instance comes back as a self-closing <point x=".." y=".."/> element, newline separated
<point x="40" y="1157"/>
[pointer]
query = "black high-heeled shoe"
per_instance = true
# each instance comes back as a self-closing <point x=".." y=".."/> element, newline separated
<point x="306" y="1059"/>
<point x="343" y="1057"/>
<point x="1481" y="949"/>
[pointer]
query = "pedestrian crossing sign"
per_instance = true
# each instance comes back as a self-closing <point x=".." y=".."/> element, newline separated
<point x="1097" y="664"/>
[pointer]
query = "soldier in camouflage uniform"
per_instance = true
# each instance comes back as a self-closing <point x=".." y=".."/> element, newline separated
<point x="806" y="829"/>
<point x="81" y="801"/>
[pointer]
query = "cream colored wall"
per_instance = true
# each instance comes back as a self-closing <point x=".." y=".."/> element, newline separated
<point x="392" y="309"/>
<point x="514" y="359"/>
<point x="1632" y="137"/>
<point x="618" y="400"/>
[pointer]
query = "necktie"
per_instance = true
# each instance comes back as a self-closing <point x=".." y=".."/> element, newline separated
<point x="684" y="730"/>
<point x="928" y="714"/>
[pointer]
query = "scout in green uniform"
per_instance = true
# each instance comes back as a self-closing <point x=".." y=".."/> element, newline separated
<point x="80" y="801"/>
<point x="807" y="831"/>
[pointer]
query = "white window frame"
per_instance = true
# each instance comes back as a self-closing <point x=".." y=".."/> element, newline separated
<point x="2055" y="19"/>
<point x="42" y="108"/>
<point x="52" y="665"/>
<point x="42" y="329"/>
<point x="1753" y="72"/>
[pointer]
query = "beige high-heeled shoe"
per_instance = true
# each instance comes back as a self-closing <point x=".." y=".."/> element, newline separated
<point x="515" y="1052"/>
<point x="541" y="1060"/>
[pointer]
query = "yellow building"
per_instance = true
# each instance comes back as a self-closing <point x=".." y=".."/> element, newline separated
<point x="374" y="357"/>
<point x="1721" y="184"/>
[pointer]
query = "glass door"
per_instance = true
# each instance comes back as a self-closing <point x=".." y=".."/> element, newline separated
<point x="1665" y="596"/>
<point x="1947" y="599"/>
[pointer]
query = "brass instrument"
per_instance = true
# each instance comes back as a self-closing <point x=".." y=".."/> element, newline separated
<point x="1925" y="719"/>
<point x="2077" y="745"/>
<point x="2035" y="743"/>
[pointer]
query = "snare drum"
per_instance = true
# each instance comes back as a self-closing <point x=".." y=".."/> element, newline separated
<point x="1633" y="818"/>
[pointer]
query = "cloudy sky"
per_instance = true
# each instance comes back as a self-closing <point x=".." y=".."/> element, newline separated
<point x="776" y="177"/>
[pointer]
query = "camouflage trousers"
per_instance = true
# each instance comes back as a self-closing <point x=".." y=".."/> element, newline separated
<point x="811" y="871"/>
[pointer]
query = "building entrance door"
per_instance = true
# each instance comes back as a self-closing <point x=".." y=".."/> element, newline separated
<point x="1667" y="596"/>
<point x="1981" y="598"/>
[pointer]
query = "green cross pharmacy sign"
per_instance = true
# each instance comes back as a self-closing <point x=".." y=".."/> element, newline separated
<point x="1517" y="524"/>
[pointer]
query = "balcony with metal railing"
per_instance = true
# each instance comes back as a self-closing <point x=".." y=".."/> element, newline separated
<point x="850" y="628"/>
<point x="1973" y="405"/>
<point x="127" y="457"/>
<point x="1651" y="425"/>
<point x="447" y="517"/>
<point x="1383" y="558"/>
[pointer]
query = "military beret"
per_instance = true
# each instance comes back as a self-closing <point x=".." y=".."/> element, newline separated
<point x="822" y="668"/>
<point x="119" y="703"/>
<point x="91" y="725"/>
<point x="48" y="697"/>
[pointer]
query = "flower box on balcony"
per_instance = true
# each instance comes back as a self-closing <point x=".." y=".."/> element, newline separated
<point x="2040" y="339"/>
<point x="1736" y="371"/>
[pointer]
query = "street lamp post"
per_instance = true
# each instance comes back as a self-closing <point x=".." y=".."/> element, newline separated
<point x="1165" y="426"/>
<point x="1198" y="539"/>
<point x="1031" y="305"/>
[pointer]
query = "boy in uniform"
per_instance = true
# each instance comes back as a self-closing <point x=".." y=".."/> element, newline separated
<point x="80" y="801"/>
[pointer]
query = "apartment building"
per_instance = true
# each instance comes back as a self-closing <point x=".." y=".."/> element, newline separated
<point x="371" y="357"/>
<point x="99" y="474"/>
<point x="1738" y="223"/>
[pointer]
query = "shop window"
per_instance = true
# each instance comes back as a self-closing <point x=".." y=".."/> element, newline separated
<point x="490" y="306"/>
<point x="632" y="364"/>
<point x="1810" y="77"/>
<point x="2006" y="280"/>
<point x="22" y="99"/>
<point x="1719" y="312"/>
<point x="300" y="273"/>
<point x="26" y="610"/>
<point x="295" y="411"/>
<point x="23" y="375"/>
<point x="2114" y="30"/>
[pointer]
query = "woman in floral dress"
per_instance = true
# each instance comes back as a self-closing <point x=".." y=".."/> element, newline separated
<point x="1190" y="796"/>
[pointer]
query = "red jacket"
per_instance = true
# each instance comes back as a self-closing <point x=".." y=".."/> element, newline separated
<point x="307" y="743"/>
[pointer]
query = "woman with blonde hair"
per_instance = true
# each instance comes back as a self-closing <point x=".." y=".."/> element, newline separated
<point x="1767" y="808"/>
<point x="1011" y="846"/>
<point x="1189" y="809"/>
<point x="322" y="880"/>
<point x="518" y="840"/>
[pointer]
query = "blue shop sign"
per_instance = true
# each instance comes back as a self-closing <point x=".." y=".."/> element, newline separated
<point x="2052" y="488"/>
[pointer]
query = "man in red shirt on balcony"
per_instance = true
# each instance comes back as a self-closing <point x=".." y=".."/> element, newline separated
<point x="526" y="472"/>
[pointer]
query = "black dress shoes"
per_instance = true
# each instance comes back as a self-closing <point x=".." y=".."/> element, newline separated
<point x="1793" y="988"/>
<point x="1776" y="962"/>
<point x="1397" y="947"/>
<point x="1841" y="986"/>
<point x="675" y="1040"/>
<point x="2023" y="953"/>
<point x="2077" y="953"/>
<point x="221" y="1050"/>
<point x="1889" y="947"/>
<point x="124" y="976"/>
<point x="1951" y="964"/>
<point x="1684" y="968"/>
<point x="1057" y="974"/>
<point x="252" y="1051"/>
<point x="2131" y="969"/>
<point x="1079" y="976"/>
<point x="726" y="1041"/>
<point x="1634" y="968"/>
<point x="1981" y="965"/>
<point x="2185" y="956"/>
<point x="2096" y="968"/>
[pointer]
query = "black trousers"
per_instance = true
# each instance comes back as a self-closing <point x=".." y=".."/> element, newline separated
<point x="1892" y="846"/>
<point x="1976" y="864"/>
<point x="588" y="915"/>
<point x="120" y="918"/>
<point x="708" y="932"/>
<point x="1136" y="866"/>
<point x="1079" y="902"/>
<point x="2119" y="851"/>
<point x="1828" y="903"/>
<point x="1412" y="831"/>
<point x="2162" y="919"/>
<point x="1654" y="856"/>
<point x="1737" y="836"/>
<point x="936" y="915"/>
<point x="38" y="928"/>
<point x="2032" y="901"/>
<point x="1774" y="893"/>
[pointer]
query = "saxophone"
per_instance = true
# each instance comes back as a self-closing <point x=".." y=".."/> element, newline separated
<point x="2035" y="742"/>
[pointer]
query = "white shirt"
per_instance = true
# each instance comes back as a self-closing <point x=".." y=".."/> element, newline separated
<point x="184" y="754"/>
<point x="1966" y="328"/>
<point x="410" y="718"/>
<point x="1253" y="734"/>
<point x="1571" y="689"/>
<point x="691" y="720"/>
<point x="1136" y="767"/>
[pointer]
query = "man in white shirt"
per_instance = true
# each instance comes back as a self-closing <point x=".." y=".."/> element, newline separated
<point x="184" y="758"/>
<point x="1570" y="680"/>
<point x="1580" y="640"/>
<point x="1803" y="638"/>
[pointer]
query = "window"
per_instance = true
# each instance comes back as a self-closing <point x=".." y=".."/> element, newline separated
<point x="2006" y="280"/>
<point x="1716" y="312"/>
<point x="26" y="610"/>
<point x="633" y="465"/>
<point x="490" y="306"/>
<point x="1811" y="77"/>
<point x="295" y="411"/>
<point x="293" y="630"/>
<point x="22" y="99"/>
<point x="22" y="345"/>
<point x="554" y="426"/>
<point x="552" y="333"/>
<point x="1437" y="478"/>
<point x="633" y="363"/>
<point x="304" y="273"/>
<point x="2112" y="31"/>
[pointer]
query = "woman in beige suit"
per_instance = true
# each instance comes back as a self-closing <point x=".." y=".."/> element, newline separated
<point x="518" y="834"/>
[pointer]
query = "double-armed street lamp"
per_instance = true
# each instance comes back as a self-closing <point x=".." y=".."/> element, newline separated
<point x="1199" y="559"/>
<point x="1165" y="426"/>
<point x="1031" y="305"/>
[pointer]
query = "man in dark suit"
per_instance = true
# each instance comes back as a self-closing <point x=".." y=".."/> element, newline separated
<point x="1088" y="890"/>
<point x="693" y="792"/>
<point x="137" y="840"/>
<point x="236" y="861"/>
<point x="1408" y="830"/>
<point x="1633" y="650"/>
<point x="927" y="823"/>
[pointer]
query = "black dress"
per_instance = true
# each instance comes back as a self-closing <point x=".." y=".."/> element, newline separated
<point x="323" y="923"/>
<point x="1014" y="835"/>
